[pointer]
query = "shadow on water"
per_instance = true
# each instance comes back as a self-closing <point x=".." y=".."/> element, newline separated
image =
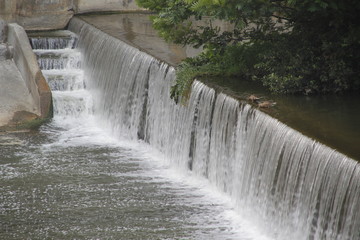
<point x="333" y="120"/>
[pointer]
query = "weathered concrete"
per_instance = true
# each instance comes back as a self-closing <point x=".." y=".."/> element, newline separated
<point x="14" y="94"/>
<point x="3" y="52"/>
<point x="136" y="30"/>
<point x="26" y="62"/>
<point x="37" y="14"/>
<point x="55" y="14"/>
<point x="83" y="6"/>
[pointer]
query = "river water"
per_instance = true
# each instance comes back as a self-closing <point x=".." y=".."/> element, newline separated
<point x="73" y="180"/>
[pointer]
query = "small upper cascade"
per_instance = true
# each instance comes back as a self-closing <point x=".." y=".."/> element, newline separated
<point x="55" y="40"/>
<point x="56" y="50"/>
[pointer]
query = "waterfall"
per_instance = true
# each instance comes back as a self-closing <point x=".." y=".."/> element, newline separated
<point x="284" y="182"/>
<point x="60" y="63"/>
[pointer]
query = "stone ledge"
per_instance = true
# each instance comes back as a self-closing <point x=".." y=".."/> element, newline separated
<point x="27" y="64"/>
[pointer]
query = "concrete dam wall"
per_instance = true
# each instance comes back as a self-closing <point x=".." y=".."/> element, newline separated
<point x="55" y="14"/>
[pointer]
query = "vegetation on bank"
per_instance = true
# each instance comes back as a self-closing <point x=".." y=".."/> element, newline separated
<point x="291" y="46"/>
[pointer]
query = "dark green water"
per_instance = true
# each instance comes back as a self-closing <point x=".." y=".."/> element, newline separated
<point x="333" y="120"/>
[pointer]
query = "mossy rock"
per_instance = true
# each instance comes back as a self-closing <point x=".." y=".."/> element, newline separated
<point x="23" y="120"/>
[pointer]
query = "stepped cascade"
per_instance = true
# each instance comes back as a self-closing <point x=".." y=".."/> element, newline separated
<point x="60" y="63"/>
<point x="286" y="183"/>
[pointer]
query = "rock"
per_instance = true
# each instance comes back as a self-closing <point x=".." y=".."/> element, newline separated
<point x="14" y="94"/>
<point x="266" y="104"/>
<point x="253" y="98"/>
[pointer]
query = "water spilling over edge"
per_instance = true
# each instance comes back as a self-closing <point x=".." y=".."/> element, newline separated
<point x="285" y="182"/>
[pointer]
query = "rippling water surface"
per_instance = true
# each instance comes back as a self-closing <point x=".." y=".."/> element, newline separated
<point x="71" y="181"/>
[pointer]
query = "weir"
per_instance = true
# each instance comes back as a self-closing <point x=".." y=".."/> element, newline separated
<point x="284" y="182"/>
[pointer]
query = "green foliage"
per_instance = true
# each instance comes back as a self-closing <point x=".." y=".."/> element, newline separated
<point x="290" y="46"/>
<point x="235" y="61"/>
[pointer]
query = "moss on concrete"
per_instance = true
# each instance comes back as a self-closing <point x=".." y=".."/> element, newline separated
<point x="23" y="120"/>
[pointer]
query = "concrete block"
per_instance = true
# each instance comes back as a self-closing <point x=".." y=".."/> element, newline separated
<point x="26" y="62"/>
<point x="14" y="94"/>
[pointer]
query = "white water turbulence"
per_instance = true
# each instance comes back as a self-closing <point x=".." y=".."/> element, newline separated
<point x="287" y="185"/>
<point x="81" y="183"/>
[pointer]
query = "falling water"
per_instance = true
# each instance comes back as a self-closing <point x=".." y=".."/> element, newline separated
<point x="72" y="180"/>
<point x="285" y="183"/>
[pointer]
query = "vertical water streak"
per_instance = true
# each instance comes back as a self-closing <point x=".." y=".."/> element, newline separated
<point x="204" y="98"/>
<point x="121" y="83"/>
<point x="291" y="186"/>
<point x="297" y="185"/>
<point x="222" y="142"/>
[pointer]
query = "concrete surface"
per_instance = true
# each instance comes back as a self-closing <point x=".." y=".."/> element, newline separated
<point x="26" y="62"/>
<point x="37" y="14"/>
<point x="14" y="94"/>
<point x="136" y="30"/>
<point x="55" y="14"/>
